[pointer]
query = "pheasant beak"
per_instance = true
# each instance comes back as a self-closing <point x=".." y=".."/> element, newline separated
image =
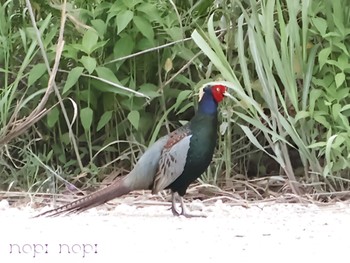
<point x="201" y="93"/>
<point x="226" y="94"/>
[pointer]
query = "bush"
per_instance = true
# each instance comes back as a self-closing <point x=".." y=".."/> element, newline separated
<point x="127" y="71"/>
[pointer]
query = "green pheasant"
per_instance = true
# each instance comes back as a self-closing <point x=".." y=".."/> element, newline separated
<point x="173" y="162"/>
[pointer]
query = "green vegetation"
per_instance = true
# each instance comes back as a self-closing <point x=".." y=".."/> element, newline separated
<point x="87" y="85"/>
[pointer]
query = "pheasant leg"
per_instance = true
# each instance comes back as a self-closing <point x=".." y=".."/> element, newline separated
<point x="184" y="209"/>
<point x="173" y="204"/>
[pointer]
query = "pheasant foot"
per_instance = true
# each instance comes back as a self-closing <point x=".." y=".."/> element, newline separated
<point x="184" y="210"/>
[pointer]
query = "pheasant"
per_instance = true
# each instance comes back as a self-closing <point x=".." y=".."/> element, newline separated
<point x="172" y="162"/>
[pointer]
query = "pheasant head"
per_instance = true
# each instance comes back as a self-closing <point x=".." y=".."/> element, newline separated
<point x="209" y="97"/>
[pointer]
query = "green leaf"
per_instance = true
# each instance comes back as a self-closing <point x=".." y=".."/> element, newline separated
<point x="105" y="118"/>
<point x="184" y="108"/>
<point x="314" y="95"/>
<point x="339" y="141"/>
<point x="72" y="78"/>
<point x="150" y="90"/>
<point x="338" y="20"/>
<point x="65" y="138"/>
<point x="183" y="95"/>
<point x="102" y="86"/>
<point x="342" y="93"/>
<point x="107" y="74"/>
<point x="329" y="147"/>
<point x="29" y="98"/>
<point x="89" y="40"/>
<point x="339" y="79"/>
<point x="49" y="156"/>
<point x="71" y="51"/>
<point x="323" y="56"/>
<point x="145" y="27"/>
<point x="131" y="3"/>
<point x="321" y="119"/>
<point x="86" y="115"/>
<point x="151" y="11"/>
<point x="52" y="117"/>
<point x="144" y="44"/>
<point x="317" y="145"/>
<point x="134" y="118"/>
<point x="342" y="47"/>
<point x="343" y="62"/>
<point x="185" y="53"/>
<point x="124" y="46"/>
<point x="336" y="108"/>
<point x="36" y="72"/>
<point x="344" y="121"/>
<point x="320" y="24"/>
<point x="214" y="58"/>
<point x="301" y="115"/>
<point x="123" y="19"/>
<point x="175" y="33"/>
<point x="308" y="76"/>
<point x="345" y="110"/>
<point x="100" y="27"/>
<point x="254" y="141"/>
<point x="89" y="63"/>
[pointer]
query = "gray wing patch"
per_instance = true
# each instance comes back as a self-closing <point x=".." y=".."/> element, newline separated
<point x="144" y="172"/>
<point x="171" y="164"/>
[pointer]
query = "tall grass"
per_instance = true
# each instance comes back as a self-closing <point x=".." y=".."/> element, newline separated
<point x="278" y="97"/>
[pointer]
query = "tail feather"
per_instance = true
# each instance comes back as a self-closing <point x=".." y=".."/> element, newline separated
<point x="94" y="199"/>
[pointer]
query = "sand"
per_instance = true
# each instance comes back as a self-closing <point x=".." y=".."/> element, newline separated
<point x="129" y="233"/>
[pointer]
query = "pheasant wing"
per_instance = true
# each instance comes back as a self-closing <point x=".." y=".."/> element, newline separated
<point x="173" y="158"/>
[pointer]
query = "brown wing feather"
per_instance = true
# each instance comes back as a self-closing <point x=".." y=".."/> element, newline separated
<point x="173" y="158"/>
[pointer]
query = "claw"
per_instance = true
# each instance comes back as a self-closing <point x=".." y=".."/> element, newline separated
<point x="173" y="205"/>
<point x="184" y="210"/>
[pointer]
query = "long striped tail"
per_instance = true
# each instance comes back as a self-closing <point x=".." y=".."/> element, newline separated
<point x="94" y="199"/>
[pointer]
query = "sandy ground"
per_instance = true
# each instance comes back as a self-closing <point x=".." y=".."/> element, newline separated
<point x="260" y="233"/>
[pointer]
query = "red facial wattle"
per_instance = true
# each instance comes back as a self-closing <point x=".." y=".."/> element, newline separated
<point x="218" y="92"/>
